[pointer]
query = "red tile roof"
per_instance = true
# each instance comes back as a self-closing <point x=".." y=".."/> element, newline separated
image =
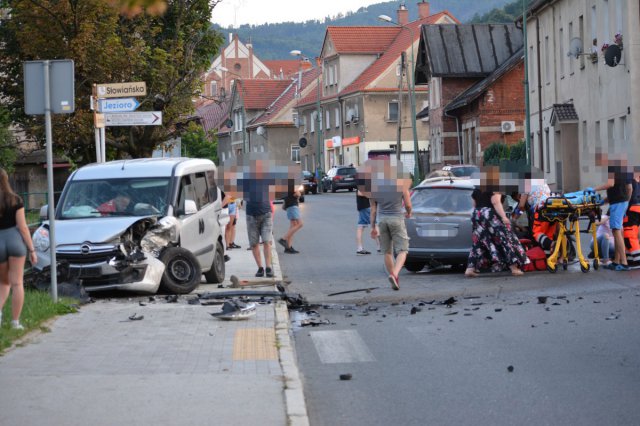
<point x="213" y="115"/>
<point x="309" y="77"/>
<point x="400" y="44"/>
<point x="286" y="68"/>
<point x="363" y="40"/>
<point x="260" y="93"/>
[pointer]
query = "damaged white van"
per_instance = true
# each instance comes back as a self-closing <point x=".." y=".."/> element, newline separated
<point x="138" y="225"/>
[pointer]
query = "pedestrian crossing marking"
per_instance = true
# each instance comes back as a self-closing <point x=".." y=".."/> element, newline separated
<point x="254" y="344"/>
<point x="341" y="346"/>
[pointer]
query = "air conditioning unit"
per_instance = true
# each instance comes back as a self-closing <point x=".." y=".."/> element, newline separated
<point x="508" y="126"/>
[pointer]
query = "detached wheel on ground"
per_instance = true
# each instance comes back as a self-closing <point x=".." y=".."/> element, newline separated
<point x="215" y="275"/>
<point x="414" y="266"/>
<point x="182" y="271"/>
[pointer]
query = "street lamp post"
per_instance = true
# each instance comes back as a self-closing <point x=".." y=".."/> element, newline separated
<point x="320" y="160"/>
<point x="412" y="97"/>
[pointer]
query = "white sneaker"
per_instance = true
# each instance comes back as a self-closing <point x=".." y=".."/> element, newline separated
<point x="16" y="325"/>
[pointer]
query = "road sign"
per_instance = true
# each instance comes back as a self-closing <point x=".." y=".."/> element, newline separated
<point x="141" y="118"/>
<point x="61" y="86"/>
<point x="118" y="105"/>
<point x="118" y="90"/>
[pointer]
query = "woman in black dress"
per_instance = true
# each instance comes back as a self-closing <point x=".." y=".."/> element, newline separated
<point x="494" y="246"/>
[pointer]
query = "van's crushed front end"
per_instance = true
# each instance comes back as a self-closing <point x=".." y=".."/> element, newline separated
<point x="112" y="253"/>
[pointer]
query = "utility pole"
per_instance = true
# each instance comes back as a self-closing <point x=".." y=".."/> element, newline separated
<point x="399" y="138"/>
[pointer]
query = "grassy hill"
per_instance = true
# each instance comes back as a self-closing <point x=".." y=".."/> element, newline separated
<point x="275" y="41"/>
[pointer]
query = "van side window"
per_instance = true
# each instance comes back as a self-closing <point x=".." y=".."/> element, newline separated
<point x="187" y="192"/>
<point x="202" y="194"/>
<point x="213" y="187"/>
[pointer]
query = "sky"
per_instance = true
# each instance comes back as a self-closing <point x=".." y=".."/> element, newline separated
<point x="256" y="12"/>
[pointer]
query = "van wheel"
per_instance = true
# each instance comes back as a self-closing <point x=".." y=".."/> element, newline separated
<point x="215" y="275"/>
<point x="182" y="271"/>
<point x="414" y="266"/>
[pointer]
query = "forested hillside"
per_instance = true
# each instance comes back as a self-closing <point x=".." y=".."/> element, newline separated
<point x="275" y="41"/>
<point x="509" y="13"/>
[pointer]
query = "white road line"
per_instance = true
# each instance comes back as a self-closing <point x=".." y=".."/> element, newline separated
<point x="341" y="346"/>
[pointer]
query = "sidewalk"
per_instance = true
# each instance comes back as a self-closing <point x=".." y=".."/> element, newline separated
<point x="177" y="366"/>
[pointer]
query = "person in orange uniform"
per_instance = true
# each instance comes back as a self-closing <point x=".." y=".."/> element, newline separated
<point x="631" y="224"/>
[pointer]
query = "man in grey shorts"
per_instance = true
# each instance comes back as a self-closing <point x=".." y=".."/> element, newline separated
<point x="388" y="211"/>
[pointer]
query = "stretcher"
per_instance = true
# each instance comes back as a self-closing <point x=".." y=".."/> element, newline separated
<point x="567" y="210"/>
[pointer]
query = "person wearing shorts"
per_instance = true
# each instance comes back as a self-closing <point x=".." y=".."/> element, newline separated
<point x="230" y="229"/>
<point x="387" y="223"/>
<point x="291" y="205"/>
<point x="364" y="220"/>
<point x="619" y="190"/>
<point x="15" y="244"/>
<point x="259" y="219"/>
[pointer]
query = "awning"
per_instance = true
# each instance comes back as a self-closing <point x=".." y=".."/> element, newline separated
<point x="564" y="113"/>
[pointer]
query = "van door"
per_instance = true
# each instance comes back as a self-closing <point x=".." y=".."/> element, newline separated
<point x="195" y="230"/>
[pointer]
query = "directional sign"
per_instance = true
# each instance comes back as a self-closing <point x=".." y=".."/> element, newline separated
<point x="141" y="118"/>
<point x="118" y="90"/>
<point x="118" y="105"/>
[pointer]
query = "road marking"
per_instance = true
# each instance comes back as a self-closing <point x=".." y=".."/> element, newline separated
<point x="254" y="344"/>
<point x="341" y="346"/>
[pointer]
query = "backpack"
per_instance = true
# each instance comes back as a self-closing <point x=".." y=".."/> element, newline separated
<point x="536" y="255"/>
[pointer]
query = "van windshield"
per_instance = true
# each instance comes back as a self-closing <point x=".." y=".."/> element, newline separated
<point x="115" y="197"/>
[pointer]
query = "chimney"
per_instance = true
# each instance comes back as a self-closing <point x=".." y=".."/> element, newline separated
<point x="403" y="14"/>
<point x="305" y="64"/>
<point x="423" y="9"/>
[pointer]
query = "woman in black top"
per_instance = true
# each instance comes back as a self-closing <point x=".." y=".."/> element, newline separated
<point x="15" y="243"/>
<point x="494" y="246"/>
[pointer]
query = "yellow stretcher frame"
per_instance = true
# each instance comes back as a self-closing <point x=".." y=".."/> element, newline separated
<point x="559" y="210"/>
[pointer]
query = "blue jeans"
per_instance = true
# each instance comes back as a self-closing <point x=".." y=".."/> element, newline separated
<point x="605" y="248"/>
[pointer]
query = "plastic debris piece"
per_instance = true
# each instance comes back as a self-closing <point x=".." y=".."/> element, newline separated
<point x="542" y="300"/>
<point x="171" y="298"/>
<point x="415" y="310"/>
<point x="489" y="318"/>
<point x="136" y="317"/>
<point x="510" y="369"/>
<point x="347" y="376"/>
<point x="498" y="309"/>
<point x="233" y="310"/>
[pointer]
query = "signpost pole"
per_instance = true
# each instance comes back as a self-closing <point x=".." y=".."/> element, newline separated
<point x="50" y="189"/>
<point x="103" y="144"/>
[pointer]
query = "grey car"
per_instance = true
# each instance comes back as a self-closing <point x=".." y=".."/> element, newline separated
<point x="440" y="227"/>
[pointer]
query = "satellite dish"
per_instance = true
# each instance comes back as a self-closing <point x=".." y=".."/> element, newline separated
<point x="575" y="47"/>
<point x="261" y="131"/>
<point x="302" y="142"/>
<point x="612" y="55"/>
<point x="229" y="123"/>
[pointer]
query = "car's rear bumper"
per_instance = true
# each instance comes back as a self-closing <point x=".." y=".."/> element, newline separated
<point x="444" y="256"/>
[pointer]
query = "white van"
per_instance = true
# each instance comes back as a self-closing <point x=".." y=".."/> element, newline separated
<point x="138" y="225"/>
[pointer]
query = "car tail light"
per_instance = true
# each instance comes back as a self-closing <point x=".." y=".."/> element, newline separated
<point x="337" y="177"/>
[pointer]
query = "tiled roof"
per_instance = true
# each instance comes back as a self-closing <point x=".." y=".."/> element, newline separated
<point x="309" y="77"/>
<point x="363" y="40"/>
<point x="470" y="50"/>
<point x="286" y="68"/>
<point x="563" y="113"/>
<point x="479" y="88"/>
<point x="260" y="93"/>
<point x="401" y="43"/>
<point x="213" y="115"/>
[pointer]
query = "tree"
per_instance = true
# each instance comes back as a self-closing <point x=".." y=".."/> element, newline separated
<point x="8" y="149"/>
<point x="196" y="144"/>
<point x="169" y="52"/>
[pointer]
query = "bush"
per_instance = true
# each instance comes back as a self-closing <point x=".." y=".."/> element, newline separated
<point x="498" y="151"/>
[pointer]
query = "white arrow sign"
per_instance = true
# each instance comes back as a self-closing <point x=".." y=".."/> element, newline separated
<point x="118" y="105"/>
<point x="142" y="118"/>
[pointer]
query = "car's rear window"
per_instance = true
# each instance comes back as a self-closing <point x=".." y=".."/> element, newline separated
<point x="442" y="200"/>
<point x="463" y="171"/>
<point x="351" y="171"/>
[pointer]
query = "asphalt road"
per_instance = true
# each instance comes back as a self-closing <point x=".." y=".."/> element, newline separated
<point x="575" y="358"/>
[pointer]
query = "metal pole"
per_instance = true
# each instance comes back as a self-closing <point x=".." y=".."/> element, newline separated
<point x="103" y="144"/>
<point x="527" y="120"/>
<point x="243" y="114"/>
<point x="412" y="99"/>
<point x="320" y="165"/>
<point x="399" y="137"/>
<point x="51" y="198"/>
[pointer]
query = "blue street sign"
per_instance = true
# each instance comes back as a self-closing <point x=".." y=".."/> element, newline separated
<point x="118" y="105"/>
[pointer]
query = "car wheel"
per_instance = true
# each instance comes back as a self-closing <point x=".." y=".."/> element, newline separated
<point x="182" y="271"/>
<point x="350" y="189"/>
<point x="414" y="266"/>
<point x="333" y="188"/>
<point x="215" y="275"/>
